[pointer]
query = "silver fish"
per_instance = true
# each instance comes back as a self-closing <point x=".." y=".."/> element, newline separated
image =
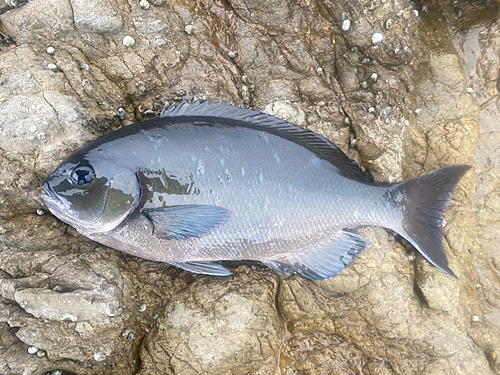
<point x="209" y="182"/>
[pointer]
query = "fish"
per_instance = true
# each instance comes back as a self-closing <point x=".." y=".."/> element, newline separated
<point x="210" y="182"/>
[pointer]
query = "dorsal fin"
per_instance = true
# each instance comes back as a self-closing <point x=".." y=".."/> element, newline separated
<point x="316" y="143"/>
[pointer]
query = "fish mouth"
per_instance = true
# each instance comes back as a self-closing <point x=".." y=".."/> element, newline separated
<point x="51" y="200"/>
<point x="56" y="206"/>
<point x="50" y="196"/>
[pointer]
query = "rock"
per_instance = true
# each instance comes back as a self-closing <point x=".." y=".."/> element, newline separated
<point x="441" y="293"/>
<point x="323" y="353"/>
<point x="48" y="107"/>
<point x="217" y="326"/>
<point x="96" y="16"/>
<point x="76" y="306"/>
<point x="72" y="299"/>
<point x="390" y="304"/>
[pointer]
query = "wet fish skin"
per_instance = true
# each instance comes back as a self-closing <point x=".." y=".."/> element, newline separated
<point x="209" y="182"/>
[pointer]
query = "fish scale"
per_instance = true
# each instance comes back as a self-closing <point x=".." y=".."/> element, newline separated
<point x="209" y="182"/>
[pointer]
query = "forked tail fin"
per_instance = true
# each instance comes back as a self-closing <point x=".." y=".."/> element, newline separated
<point x="425" y="198"/>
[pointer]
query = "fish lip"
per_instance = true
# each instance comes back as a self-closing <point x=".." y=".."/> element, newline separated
<point x="51" y="202"/>
<point x="45" y="186"/>
<point x="50" y="197"/>
<point x="55" y="205"/>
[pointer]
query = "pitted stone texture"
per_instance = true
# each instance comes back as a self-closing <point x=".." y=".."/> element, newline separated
<point x="96" y="16"/>
<point x="217" y="326"/>
<point x="16" y="121"/>
<point x="387" y="304"/>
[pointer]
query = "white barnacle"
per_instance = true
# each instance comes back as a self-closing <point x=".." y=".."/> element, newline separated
<point x="128" y="41"/>
<point x="52" y="67"/>
<point x="377" y="38"/>
<point x="32" y="350"/>
<point x="346" y="25"/>
<point x="144" y="4"/>
<point x="188" y="29"/>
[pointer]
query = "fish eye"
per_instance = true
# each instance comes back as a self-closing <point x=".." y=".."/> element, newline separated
<point x="83" y="174"/>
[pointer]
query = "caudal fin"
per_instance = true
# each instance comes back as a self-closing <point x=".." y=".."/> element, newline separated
<point x="425" y="198"/>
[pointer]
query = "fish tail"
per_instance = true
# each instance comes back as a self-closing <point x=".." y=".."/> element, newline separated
<point x="425" y="198"/>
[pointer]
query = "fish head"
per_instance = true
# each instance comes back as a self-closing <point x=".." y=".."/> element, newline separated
<point x="92" y="196"/>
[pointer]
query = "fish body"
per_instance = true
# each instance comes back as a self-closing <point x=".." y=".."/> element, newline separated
<point x="210" y="182"/>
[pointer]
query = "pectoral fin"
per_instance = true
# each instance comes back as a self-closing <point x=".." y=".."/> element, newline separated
<point x="208" y="268"/>
<point x="178" y="222"/>
<point x="326" y="261"/>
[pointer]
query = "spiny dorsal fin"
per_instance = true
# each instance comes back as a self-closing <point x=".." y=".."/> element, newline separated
<point x="232" y="115"/>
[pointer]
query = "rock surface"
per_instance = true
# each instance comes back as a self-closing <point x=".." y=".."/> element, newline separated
<point x="424" y="97"/>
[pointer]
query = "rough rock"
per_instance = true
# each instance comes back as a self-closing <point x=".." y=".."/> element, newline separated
<point x="219" y="326"/>
<point x="100" y="16"/>
<point x="92" y="310"/>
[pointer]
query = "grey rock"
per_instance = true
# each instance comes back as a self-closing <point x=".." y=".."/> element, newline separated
<point x="216" y="326"/>
<point x="96" y="306"/>
<point x="7" y="340"/>
<point x="286" y="110"/>
<point x="97" y="16"/>
<point x="28" y="118"/>
<point x="83" y="296"/>
<point x="9" y="286"/>
<point x="347" y="316"/>
<point x="52" y="22"/>
<point x="480" y="57"/>
<point x="439" y="292"/>
<point x="15" y="358"/>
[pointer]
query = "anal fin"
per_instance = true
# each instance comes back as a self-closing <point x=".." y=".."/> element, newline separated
<point x="207" y="268"/>
<point x="325" y="261"/>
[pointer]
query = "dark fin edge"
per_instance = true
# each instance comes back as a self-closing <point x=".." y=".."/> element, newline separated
<point x="425" y="198"/>
<point x="316" y="143"/>
<point x="179" y="222"/>
<point x="324" y="262"/>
